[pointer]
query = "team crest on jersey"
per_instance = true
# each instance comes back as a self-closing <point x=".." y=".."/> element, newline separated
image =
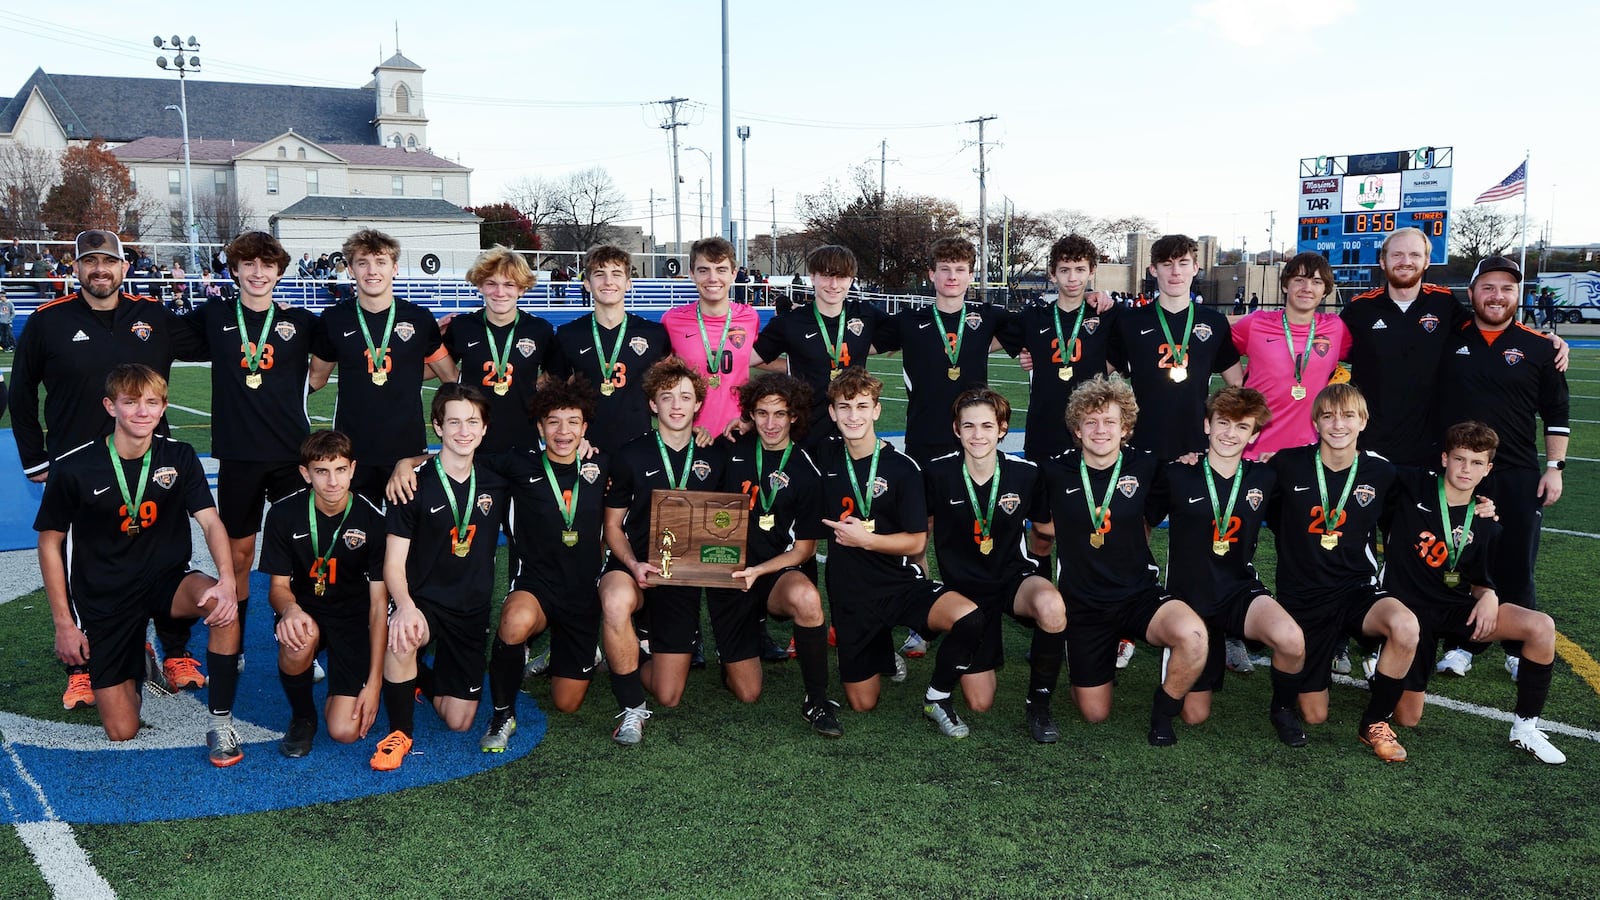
<point x="405" y="331"/>
<point x="880" y="486"/>
<point x="778" y="480"/>
<point x="1458" y="536"/>
<point x="1514" y="356"/>
<point x="974" y="320"/>
<point x="1128" y="485"/>
<point x="1202" y="331"/>
<point x="284" y="330"/>
<point x="485" y="503"/>
<point x="1010" y="503"/>
<point x="355" y="538"/>
<point x="1364" y="494"/>
<point x="166" y="476"/>
<point x="589" y="472"/>
<point x="854" y="326"/>
<point x="1429" y="322"/>
<point x="526" y="346"/>
<point x="701" y="469"/>
<point x="1254" y="497"/>
<point x="1091" y="325"/>
<point x="737" y="336"/>
<point x="142" y="330"/>
<point x="1321" y="346"/>
<point x="639" y="345"/>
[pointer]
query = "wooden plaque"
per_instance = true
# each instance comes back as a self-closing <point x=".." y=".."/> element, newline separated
<point x="697" y="538"/>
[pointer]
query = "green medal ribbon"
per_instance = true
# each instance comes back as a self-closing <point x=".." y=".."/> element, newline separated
<point x="832" y="347"/>
<point x="1332" y="519"/>
<point x="1453" y="549"/>
<point x="501" y="356"/>
<point x="676" y="482"/>
<point x="863" y="504"/>
<point x="608" y="365"/>
<point x="311" y="519"/>
<point x="952" y="351"/>
<point x="1221" y="517"/>
<point x="984" y="521"/>
<point x="132" y="500"/>
<point x="713" y="363"/>
<point x="767" y="499"/>
<point x="379" y="353"/>
<point x="1180" y="352"/>
<point x="569" y="513"/>
<point x="1062" y="340"/>
<point x="253" y="360"/>
<point x="450" y="494"/>
<point x="1099" y="514"/>
<point x="1300" y="359"/>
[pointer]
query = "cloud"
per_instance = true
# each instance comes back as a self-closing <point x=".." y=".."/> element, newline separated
<point x="1253" y="23"/>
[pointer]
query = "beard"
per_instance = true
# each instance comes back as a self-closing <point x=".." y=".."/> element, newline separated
<point x="105" y="293"/>
<point x="1495" y="318"/>
<point x="1403" y="282"/>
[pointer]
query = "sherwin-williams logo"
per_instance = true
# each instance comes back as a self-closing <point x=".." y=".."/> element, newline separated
<point x="1369" y="192"/>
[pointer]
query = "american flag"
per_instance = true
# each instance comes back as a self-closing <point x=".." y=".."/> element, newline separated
<point x="1514" y="184"/>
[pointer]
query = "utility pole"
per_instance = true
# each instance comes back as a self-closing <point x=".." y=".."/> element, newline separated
<point x="983" y="212"/>
<point x="774" y="229"/>
<point x="883" y="167"/>
<point x="727" y="134"/>
<point x="744" y="197"/>
<point x="672" y="125"/>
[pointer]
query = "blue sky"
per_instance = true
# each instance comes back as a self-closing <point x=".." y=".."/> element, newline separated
<point x="1192" y="113"/>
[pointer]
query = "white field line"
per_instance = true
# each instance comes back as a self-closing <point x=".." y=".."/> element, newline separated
<point x="1498" y="715"/>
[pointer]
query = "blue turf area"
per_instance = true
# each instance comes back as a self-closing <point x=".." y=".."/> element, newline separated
<point x="69" y="772"/>
<point x="19" y="499"/>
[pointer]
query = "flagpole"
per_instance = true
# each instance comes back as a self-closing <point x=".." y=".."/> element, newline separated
<point x="1526" y="186"/>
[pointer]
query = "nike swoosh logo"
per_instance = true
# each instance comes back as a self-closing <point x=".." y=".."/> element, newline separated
<point x="536" y="480"/>
<point x="299" y="536"/>
<point x="1298" y="488"/>
<point x="475" y="689"/>
<point x="437" y="508"/>
<point x="652" y="473"/>
<point x="925" y="325"/>
<point x="228" y="328"/>
<point x="1046" y="330"/>
<point x="811" y="335"/>
<point x="1071" y="491"/>
<point x="471" y="344"/>
<point x="1424" y="508"/>
<point x="588" y="669"/>
<point x="348" y="333"/>
<point x="738" y="459"/>
<point x="584" y="350"/>
<point x="1146" y="331"/>
<point x="957" y="502"/>
<point x="1195" y="499"/>
<point x="102" y="491"/>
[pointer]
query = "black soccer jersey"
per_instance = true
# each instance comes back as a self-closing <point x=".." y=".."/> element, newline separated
<point x="83" y="499"/>
<point x="1194" y="570"/>
<point x="545" y="563"/>
<point x="958" y="527"/>
<point x="266" y="423"/>
<point x="1171" y="413"/>
<point x="384" y="421"/>
<point x="1394" y="360"/>
<point x="354" y="552"/>
<point x="1416" y="559"/>
<point x="895" y="502"/>
<point x="790" y="495"/>
<point x="433" y="572"/>
<point x="69" y="347"/>
<point x="1502" y="384"/>
<point x="523" y="346"/>
<point x="1120" y="568"/>
<point x="624" y="414"/>
<point x="639" y="469"/>
<point x="929" y="388"/>
<point x="1309" y="571"/>
<point x="853" y="334"/>
<point x="1085" y="357"/>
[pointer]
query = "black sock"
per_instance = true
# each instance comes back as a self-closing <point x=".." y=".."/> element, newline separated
<point x="298" y="689"/>
<point x="1047" y="652"/>
<point x="244" y="610"/>
<point x="424" y="679"/>
<point x="811" y="649"/>
<point x="1533" y="686"/>
<point x="627" y="688"/>
<point x="400" y="698"/>
<point x="1285" y="689"/>
<point x="1162" y="709"/>
<point x="223" y="684"/>
<point x="77" y="670"/>
<point x="1386" y="693"/>
<point x="956" y="651"/>
<point x="505" y="674"/>
<point x="173" y="635"/>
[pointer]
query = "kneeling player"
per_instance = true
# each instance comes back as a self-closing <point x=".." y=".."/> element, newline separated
<point x="439" y="568"/>
<point x="980" y="501"/>
<point x="1445" y="581"/>
<point x="319" y="607"/>
<point x="785" y="525"/>
<point x="126" y="502"/>
<point x="1100" y="506"/>
<point x="1210" y="548"/>
<point x="880" y="520"/>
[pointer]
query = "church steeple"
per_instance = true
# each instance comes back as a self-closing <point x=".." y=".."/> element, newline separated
<point x="401" y="120"/>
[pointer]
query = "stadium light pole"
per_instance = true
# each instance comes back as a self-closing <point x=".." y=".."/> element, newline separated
<point x="710" y="183"/>
<point x="727" y="133"/>
<point x="744" y="197"/>
<point x="184" y="65"/>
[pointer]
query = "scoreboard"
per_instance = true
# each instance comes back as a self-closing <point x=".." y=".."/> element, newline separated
<point x="1350" y="204"/>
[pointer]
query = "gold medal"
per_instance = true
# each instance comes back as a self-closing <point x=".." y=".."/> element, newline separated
<point x="953" y="373"/>
<point x="1097" y="540"/>
<point x="1298" y="392"/>
<point x="133" y="529"/>
<point x="380" y="378"/>
<point x="461" y="548"/>
<point x="569" y="537"/>
<point x="870" y="526"/>
<point x="1220" y="548"/>
<point x="1179" y="374"/>
<point x="1330" y="541"/>
<point x="714" y="381"/>
<point x="607" y="388"/>
<point x="986" y="546"/>
<point x="501" y="387"/>
<point x="1064" y="373"/>
<point x="832" y="374"/>
<point x="767" y="522"/>
<point x="1452" y="579"/>
<point x="253" y="380"/>
<point x="321" y="587"/>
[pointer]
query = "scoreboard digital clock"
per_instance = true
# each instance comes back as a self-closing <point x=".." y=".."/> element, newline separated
<point x="1350" y="204"/>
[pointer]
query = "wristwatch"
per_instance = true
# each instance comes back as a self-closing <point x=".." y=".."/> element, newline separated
<point x="1560" y="465"/>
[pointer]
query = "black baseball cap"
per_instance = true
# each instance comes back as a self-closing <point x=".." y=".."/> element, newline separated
<point x="1496" y="264"/>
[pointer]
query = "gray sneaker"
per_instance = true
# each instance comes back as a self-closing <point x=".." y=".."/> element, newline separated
<point x="949" y="723"/>
<point x="899" y="669"/>
<point x="539" y="665"/>
<point x="223" y="747"/>
<point x="1341" y="661"/>
<point x="501" y="728"/>
<point x="1238" y="658"/>
<point x="631" y="731"/>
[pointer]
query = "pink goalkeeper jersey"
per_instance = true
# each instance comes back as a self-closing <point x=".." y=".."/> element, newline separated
<point x="1270" y="370"/>
<point x="732" y="369"/>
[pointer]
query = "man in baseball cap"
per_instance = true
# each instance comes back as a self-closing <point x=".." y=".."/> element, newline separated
<point x="95" y="241"/>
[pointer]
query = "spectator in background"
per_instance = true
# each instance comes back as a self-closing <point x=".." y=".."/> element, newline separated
<point x="1547" y="307"/>
<point x="1255" y="302"/>
<point x="741" y="293"/>
<point x="7" y="312"/>
<point x="306" y="266"/>
<point x="10" y="257"/>
<point x="559" y="277"/>
<point x="180" y="285"/>
<point x="323" y="268"/>
<point x="343" y="287"/>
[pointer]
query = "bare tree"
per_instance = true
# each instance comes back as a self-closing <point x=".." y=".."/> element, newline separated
<point x="222" y="217"/>
<point x="1480" y="231"/>
<point x="586" y="203"/>
<point x="1020" y="248"/>
<point x="793" y="248"/>
<point x="889" y="234"/>
<point x="534" y="198"/>
<point x="26" y="176"/>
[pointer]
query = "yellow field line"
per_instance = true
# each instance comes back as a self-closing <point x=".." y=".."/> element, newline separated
<point x="1580" y="660"/>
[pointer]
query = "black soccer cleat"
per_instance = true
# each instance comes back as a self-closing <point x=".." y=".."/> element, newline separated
<point x="1289" y="729"/>
<point x="823" y="717"/>
<point x="297" y="739"/>
<point x="1042" y="725"/>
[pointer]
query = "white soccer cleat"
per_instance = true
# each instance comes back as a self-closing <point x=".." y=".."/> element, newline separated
<point x="1513" y="664"/>
<point x="1457" y="662"/>
<point x="1525" y="735"/>
<point x="1124" y="654"/>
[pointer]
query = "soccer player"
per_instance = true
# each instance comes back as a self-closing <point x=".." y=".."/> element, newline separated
<point x="1329" y="498"/>
<point x="1502" y="373"/>
<point x="69" y="346"/>
<point x="713" y="334"/>
<point x="611" y="348"/>
<point x="876" y="508"/>
<point x="1100" y="508"/>
<point x="1169" y="350"/>
<point x="439" y="570"/>
<point x="667" y="459"/>
<point x="1439" y="562"/>
<point x="315" y="606"/>
<point x="500" y="348"/>
<point x="774" y="470"/>
<point x="125" y="502"/>
<point x="381" y="345"/>
<point x="1067" y="342"/>
<point x="1215" y="512"/>
<point x="1292" y="354"/>
<point x="980" y="501"/>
